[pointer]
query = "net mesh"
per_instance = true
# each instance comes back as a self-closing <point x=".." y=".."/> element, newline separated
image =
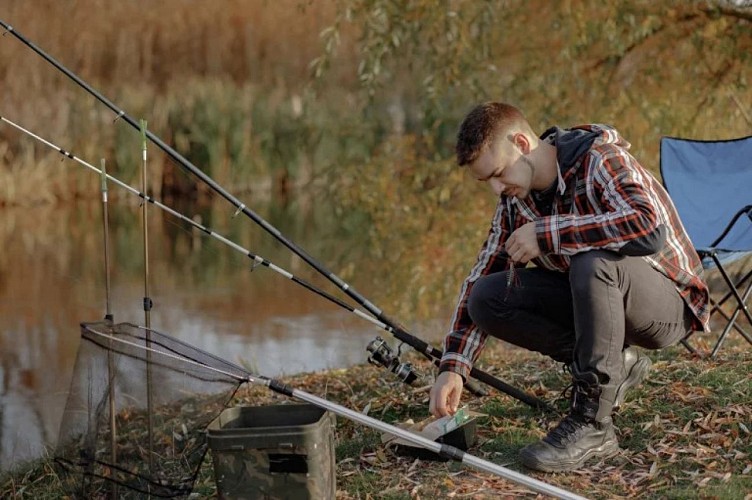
<point x="136" y="415"/>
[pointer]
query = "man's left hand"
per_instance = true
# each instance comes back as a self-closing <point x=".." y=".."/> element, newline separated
<point x="522" y="245"/>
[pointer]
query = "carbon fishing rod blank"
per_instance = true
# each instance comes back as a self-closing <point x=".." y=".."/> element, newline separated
<point x="393" y="327"/>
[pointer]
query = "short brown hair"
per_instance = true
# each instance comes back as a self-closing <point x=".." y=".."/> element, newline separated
<point x="481" y="125"/>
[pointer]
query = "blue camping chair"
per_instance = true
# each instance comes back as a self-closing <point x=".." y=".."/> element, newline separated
<point x="710" y="183"/>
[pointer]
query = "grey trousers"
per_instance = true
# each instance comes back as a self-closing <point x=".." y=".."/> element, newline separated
<point x="585" y="317"/>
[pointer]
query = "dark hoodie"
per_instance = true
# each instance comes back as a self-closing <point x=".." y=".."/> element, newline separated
<point x="571" y="145"/>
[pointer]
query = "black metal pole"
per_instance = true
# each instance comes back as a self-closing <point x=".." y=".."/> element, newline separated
<point x="395" y="328"/>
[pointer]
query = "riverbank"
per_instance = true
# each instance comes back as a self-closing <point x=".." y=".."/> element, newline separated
<point x="684" y="434"/>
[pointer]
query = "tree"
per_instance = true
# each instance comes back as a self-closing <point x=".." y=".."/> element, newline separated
<point x="666" y="67"/>
<point x="651" y="68"/>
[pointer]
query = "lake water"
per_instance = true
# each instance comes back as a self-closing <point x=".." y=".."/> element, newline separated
<point x="205" y="293"/>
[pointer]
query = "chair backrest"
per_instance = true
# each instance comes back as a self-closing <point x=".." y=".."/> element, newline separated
<point x="709" y="182"/>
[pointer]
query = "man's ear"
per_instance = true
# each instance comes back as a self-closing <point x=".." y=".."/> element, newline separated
<point x="522" y="142"/>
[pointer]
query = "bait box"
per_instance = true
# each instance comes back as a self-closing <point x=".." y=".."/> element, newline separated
<point x="276" y="451"/>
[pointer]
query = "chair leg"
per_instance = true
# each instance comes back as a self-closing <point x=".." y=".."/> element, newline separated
<point x="730" y="293"/>
<point x="685" y="343"/>
<point x="741" y="306"/>
<point x="729" y="319"/>
<point x="732" y="323"/>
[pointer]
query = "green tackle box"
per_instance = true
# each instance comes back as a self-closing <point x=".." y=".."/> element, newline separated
<point x="273" y="452"/>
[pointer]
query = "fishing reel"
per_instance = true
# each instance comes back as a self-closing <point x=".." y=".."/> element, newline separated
<point x="382" y="354"/>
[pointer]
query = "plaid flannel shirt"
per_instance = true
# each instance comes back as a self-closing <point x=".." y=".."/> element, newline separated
<point x="602" y="201"/>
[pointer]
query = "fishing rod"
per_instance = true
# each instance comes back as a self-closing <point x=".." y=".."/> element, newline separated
<point x="394" y="328"/>
<point x="381" y="353"/>
<point x="443" y="450"/>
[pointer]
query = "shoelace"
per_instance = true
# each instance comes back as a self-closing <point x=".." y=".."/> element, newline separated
<point x="565" y="429"/>
<point x="566" y="393"/>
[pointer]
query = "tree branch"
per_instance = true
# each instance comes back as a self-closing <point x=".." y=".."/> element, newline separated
<point x="686" y="18"/>
<point x="728" y="8"/>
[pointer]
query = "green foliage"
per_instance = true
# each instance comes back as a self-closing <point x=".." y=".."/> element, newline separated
<point x="375" y="132"/>
<point x="650" y="68"/>
<point x="423" y="222"/>
<point x="624" y="63"/>
<point x="447" y="41"/>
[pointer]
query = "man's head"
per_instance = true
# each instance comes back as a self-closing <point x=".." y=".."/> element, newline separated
<point x="492" y="141"/>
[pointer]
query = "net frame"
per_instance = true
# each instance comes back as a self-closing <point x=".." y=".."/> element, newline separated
<point x="109" y="445"/>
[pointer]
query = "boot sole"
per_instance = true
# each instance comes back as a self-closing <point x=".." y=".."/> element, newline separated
<point x="608" y="450"/>
<point x="639" y="370"/>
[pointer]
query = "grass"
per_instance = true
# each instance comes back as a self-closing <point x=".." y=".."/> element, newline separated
<point x="685" y="433"/>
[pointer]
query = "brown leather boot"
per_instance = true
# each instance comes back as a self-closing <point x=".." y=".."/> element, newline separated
<point x="577" y="438"/>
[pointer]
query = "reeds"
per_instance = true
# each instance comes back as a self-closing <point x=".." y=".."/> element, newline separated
<point x="228" y="82"/>
<point x="224" y="82"/>
<point x="156" y="43"/>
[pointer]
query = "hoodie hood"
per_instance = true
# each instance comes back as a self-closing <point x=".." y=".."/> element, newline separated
<point x="573" y="142"/>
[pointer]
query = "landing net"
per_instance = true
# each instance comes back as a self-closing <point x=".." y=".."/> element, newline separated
<point x="136" y="415"/>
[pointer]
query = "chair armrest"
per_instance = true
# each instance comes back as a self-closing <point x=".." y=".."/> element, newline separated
<point x="746" y="210"/>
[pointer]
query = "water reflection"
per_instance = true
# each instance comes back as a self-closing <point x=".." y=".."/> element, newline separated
<point x="52" y="278"/>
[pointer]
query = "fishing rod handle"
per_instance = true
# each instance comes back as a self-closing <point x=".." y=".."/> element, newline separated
<point x="512" y="391"/>
<point x="431" y="352"/>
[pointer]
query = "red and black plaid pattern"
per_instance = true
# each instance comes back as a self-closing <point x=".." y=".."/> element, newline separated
<point x="603" y="201"/>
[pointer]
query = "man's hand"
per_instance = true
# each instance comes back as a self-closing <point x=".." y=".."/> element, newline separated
<point x="522" y="245"/>
<point x="445" y="394"/>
